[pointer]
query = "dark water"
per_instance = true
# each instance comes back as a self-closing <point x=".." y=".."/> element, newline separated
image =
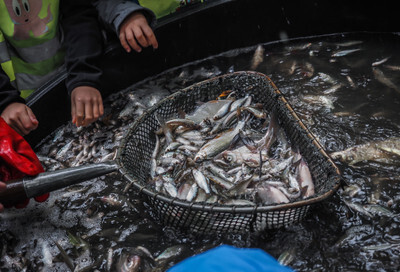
<point x="340" y="99"/>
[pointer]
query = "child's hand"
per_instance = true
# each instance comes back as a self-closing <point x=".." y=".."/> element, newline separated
<point x="86" y="105"/>
<point x="135" y="29"/>
<point x="20" y="117"/>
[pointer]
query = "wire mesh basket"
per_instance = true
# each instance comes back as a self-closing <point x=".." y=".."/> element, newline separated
<point x="138" y="145"/>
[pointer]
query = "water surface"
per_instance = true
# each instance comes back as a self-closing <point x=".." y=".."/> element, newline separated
<point x="333" y="84"/>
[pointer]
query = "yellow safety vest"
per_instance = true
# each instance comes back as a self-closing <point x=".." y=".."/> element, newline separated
<point x="30" y="48"/>
<point x="163" y="8"/>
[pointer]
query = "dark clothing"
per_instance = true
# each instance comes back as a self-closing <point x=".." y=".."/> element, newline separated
<point x="8" y="94"/>
<point x="83" y="44"/>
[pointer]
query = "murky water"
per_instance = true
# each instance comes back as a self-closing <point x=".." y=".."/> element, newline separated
<point x="345" y="88"/>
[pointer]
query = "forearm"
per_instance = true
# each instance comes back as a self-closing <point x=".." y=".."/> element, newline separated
<point x="83" y="43"/>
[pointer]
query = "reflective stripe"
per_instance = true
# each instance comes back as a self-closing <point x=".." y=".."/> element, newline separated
<point x="39" y="52"/>
<point x="39" y="68"/>
<point x="4" y="56"/>
<point x="32" y="82"/>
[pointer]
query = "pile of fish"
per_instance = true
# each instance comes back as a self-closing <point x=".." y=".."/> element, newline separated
<point x="229" y="151"/>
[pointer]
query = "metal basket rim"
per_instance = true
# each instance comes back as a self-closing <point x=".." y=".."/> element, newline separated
<point x="219" y="207"/>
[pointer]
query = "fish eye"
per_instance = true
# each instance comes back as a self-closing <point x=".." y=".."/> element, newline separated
<point x="350" y="158"/>
<point x="16" y="7"/>
<point x="229" y="157"/>
<point x="25" y="4"/>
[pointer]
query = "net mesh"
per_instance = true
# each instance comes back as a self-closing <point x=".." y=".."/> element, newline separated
<point x="136" y="150"/>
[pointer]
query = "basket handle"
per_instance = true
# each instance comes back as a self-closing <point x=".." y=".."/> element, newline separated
<point x="32" y="186"/>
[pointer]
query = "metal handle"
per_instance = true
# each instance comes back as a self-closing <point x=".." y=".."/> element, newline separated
<point x="46" y="182"/>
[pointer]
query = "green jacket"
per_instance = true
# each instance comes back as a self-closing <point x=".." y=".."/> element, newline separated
<point x="31" y="39"/>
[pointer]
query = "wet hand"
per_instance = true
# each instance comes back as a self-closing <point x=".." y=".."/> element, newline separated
<point x="86" y="105"/>
<point x="20" y="117"/>
<point x="136" y="33"/>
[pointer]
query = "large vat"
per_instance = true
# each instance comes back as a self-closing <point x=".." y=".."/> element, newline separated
<point x="210" y="28"/>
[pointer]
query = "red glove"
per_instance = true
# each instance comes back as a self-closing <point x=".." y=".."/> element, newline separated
<point x="17" y="159"/>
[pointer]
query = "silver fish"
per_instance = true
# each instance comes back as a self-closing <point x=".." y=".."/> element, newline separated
<point x="376" y="209"/>
<point x="223" y="110"/>
<point x="67" y="259"/>
<point x="392" y="67"/>
<point x="342" y="53"/>
<point x="192" y="193"/>
<point x="358" y="208"/>
<point x="238" y="202"/>
<point x="270" y="195"/>
<point x="372" y="151"/>
<point x="381" y="77"/>
<point x="201" y="180"/>
<point x="207" y="110"/>
<point x="219" y="143"/>
<point x="128" y="262"/>
<point x="379" y="62"/>
<point x="305" y="179"/>
<point x="170" y="252"/>
<point x="258" y="57"/>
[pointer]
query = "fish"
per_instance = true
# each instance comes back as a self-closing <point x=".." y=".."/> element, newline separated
<point x="110" y="252"/>
<point x="273" y="128"/>
<point x="153" y="161"/>
<point x="219" y="143"/>
<point x="379" y="210"/>
<point x="346" y="52"/>
<point x="170" y="252"/>
<point x="67" y="259"/>
<point x="379" y="62"/>
<point x="192" y="193"/>
<point x="270" y="195"/>
<point x="128" y="262"/>
<point x="305" y="179"/>
<point x="117" y="200"/>
<point x="324" y="100"/>
<point x="207" y="110"/>
<point x="258" y="57"/>
<point x="384" y="151"/>
<point x="358" y="208"/>
<point x="242" y="155"/>
<point x="382" y="78"/>
<point x="379" y="247"/>
<point x="348" y="43"/>
<point x="392" y="67"/>
<point x="201" y="180"/>
<point x="287" y="256"/>
<point x="229" y="162"/>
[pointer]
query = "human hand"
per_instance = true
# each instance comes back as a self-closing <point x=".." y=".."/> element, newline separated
<point x="2" y="189"/>
<point x="135" y="29"/>
<point x="20" y="117"/>
<point x="86" y="105"/>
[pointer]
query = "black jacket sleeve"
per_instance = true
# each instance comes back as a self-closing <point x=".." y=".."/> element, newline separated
<point x="8" y="94"/>
<point x="83" y="43"/>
